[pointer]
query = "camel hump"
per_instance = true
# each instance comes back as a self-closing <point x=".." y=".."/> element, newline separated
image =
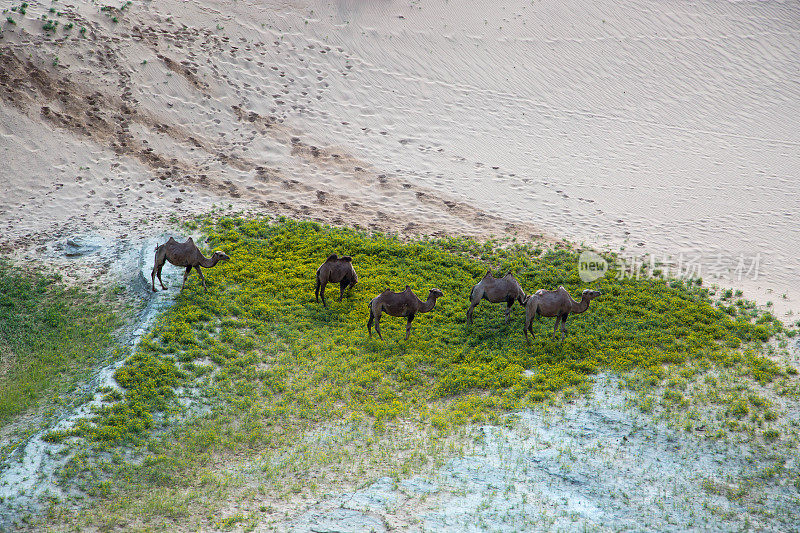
<point x="189" y="240"/>
<point x="346" y="258"/>
<point x="332" y="257"/>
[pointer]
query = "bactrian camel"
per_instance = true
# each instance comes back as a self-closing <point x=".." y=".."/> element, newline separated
<point x="496" y="290"/>
<point x="556" y="303"/>
<point x="183" y="254"/>
<point x="403" y="303"/>
<point x="335" y="269"/>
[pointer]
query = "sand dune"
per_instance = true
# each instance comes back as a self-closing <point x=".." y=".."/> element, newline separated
<point x="669" y="130"/>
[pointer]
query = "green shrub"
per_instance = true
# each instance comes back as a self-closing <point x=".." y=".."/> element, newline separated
<point x="272" y="343"/>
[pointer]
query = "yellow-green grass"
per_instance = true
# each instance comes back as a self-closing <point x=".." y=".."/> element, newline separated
<point x="293" y="401"/>
<point x="50" y="336"/>
<point x="258" y="340"/>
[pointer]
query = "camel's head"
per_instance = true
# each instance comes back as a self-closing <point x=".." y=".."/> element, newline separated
<point x="220" y="257"/>
<point x="590" y="294"/>
<point x="436" y="293"/>
<point x="522" y="298"/>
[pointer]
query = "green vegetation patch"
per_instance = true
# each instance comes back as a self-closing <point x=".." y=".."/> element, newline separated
<point x="258" y="341"/>
<point x="50" y="335"/>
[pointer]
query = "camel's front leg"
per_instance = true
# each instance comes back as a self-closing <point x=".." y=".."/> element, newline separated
<point x="408" y="325"/>
<point x="470" y="311"/>
<point x="157" y="272"/>
<point x="508" y="310"/>
<point x="202" y="277"/>
<point x="185" y="276"/>
<point x="342" y="287"/>
<point x="555" y="326"/>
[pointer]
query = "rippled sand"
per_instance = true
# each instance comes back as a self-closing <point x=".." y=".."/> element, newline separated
<point x="668" y="128"/>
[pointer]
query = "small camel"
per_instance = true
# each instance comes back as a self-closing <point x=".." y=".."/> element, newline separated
<point x="403" y="303"/>
<point x="183" y="254"/>
<point x="496" y="290"/>
<point x="335" y="269"/>
<point x="556" y="303"/>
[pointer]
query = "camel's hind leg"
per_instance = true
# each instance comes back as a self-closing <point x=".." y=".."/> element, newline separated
<point x="408" y="325"/>
<point x="528" y="322"/>
<point x="322" y="293"/>
<point x="473" y="301"/>
<point x="202" y="277"/>
<point x="158" y="264"/>
<point x="378" y="324"/>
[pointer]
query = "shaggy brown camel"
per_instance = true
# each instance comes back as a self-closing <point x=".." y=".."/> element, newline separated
<point x="496" y="290"/>
<point x="183" y="254"/>
<point x="403" y="303"/>
<point x="556" y="303"/>
<point x="335" y="269"/>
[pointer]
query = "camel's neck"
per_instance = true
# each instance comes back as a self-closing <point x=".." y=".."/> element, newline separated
<point x="429" y="304"/>
<point x="580" y="307"/>
<point x="205" y="262"/>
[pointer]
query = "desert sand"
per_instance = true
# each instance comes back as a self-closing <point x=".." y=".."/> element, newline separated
<point x="666" y="131"/>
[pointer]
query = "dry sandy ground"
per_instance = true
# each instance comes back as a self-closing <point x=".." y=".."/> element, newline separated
<point x="669" y="128"/>
<point x="670" y="131"/>
<point x="160" y="116"/>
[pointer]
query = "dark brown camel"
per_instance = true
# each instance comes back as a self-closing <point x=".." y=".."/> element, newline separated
<point x="403" y="303"/>
<point x="335" y="269"/>
<point x="183" y="254"/>
<point x="556" y="303"/>
<point x="496" y="290"/>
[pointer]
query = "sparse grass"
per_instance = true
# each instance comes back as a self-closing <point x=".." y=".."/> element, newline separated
<point x="50" y="335"/>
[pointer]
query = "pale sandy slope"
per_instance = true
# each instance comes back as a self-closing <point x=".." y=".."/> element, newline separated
<point x="668" y="127"/>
